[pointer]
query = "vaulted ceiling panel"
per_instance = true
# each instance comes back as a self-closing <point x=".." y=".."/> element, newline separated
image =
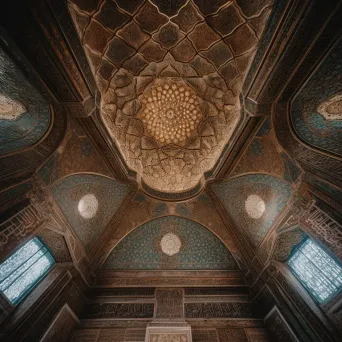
<point x="170" y="243"/>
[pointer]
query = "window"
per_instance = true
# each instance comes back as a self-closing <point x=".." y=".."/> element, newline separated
<point x="24" y="269"/>
<point x="316" y="270"/>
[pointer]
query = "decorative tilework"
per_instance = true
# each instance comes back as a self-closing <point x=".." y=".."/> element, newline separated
<point x="265" y="155"/>
<point x="200" y="250"/>
<point x="30" y="126"/>
<point x="75" y="155"/>
<point x="292" y="171"/>
<point x="233" y="194"/>
<point x="311" y="126"/>
<point x="68" y="191"/>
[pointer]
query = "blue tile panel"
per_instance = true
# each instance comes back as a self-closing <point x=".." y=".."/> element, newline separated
<point x="200" y="249"/>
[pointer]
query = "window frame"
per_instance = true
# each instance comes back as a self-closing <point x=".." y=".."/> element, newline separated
<point x="298" y="277"/>
<point x="30" y="288"/>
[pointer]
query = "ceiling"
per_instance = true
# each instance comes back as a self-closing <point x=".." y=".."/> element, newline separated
<point x="24" y="114"/>
<point x="170" y="76"/>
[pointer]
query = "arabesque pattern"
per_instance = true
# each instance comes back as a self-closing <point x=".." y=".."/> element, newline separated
<point x="133" y="46"/>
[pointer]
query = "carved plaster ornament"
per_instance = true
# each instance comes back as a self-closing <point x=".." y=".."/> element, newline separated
<point x="170" y="244"/>
<point x="170" y="102"/>
<point x="168" y="338"/>
<point x="255" y="206"/>
<point x="170" y="112"/>
<point x="87" y="206"/>
<point x="10" y="109"/>
<point x="331" y="109"/>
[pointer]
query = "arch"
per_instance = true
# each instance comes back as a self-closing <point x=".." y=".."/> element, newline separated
<point x="35" y="116"/>
<point x="142" y="249"/>
<point x="308" y="138"/>
<point x="233" y="194"/>
<point x="109" y="193"/>
<point x="307" y="121"/>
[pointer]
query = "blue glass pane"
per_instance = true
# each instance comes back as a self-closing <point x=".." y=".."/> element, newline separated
<point x="318" y="272"/>
<point x="24" y="269"/>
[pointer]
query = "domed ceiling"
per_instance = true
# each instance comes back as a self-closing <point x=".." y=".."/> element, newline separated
<point x="170" y="74"/>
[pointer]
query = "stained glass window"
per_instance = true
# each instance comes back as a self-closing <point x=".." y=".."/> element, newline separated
<point x="320" y="274"/>
<point x="24" y="269"/>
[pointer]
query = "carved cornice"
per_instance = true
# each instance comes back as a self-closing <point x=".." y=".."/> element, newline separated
<point x="110" y="279"/>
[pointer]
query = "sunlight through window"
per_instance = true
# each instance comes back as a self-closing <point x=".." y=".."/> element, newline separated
<point x="24" y="269"/>
<point x="316" y="270"/>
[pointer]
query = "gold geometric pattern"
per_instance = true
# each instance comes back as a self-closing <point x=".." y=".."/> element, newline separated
<point x="170" y="112"/>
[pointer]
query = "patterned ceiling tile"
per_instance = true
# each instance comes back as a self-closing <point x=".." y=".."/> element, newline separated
<point x="110" y="17"/>
<point x="152" y="51"/>
<point x="149" y="18"/>
<point x="242" y="40"/>
<point x="226" y="21"/>
<point x="243" y="61"/>
<point x="218" y="54"/>
<point x="29" y="108"/>
<point x="109" y="193"/>
<point x="187" y="17"/>
<point x="133" y="35"/>
<point x="169" y="7"/>
<point x="135" y="64"/>
<point x="229" y="72"/>
<point x="178" y="40"/>
<point x="253" y="8"/>
<point x="96" y="37"/>
<point x="203" y="36"/>
<point x="309" y="124"/>
<point x="202" y="66"/>
<point x="118" y="51"/>
<point x="234" y="193"/>
<point x="184" y="51"/>
<point x="106" y="69"/>
<point x="209" y="7"/>
<point x="199" y="248"/>
<point x="89" y="6"/>
<point x="130" y="6"/>
<point x="168" y="35"/>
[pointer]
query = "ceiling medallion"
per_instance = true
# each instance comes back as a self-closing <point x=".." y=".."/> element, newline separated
<point x="88" y="206"/>
<point x="255" y="206"/>
<point x="10" y="109"/>
<point x="170" y="244"/>
<point x="331" y="109"/>
<point x="170" y="112"/>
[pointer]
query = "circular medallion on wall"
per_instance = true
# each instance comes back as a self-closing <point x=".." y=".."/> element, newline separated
<point x="170" y="244"/>
<point x="10" y="109"/>
<point x="331" y="109"/>
<point x="87" y="206"/>
<point x="255" y="206"/>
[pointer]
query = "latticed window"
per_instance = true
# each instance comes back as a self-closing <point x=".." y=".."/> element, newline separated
<point x="319" y="273"/>
<point x="22" y="271"/>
